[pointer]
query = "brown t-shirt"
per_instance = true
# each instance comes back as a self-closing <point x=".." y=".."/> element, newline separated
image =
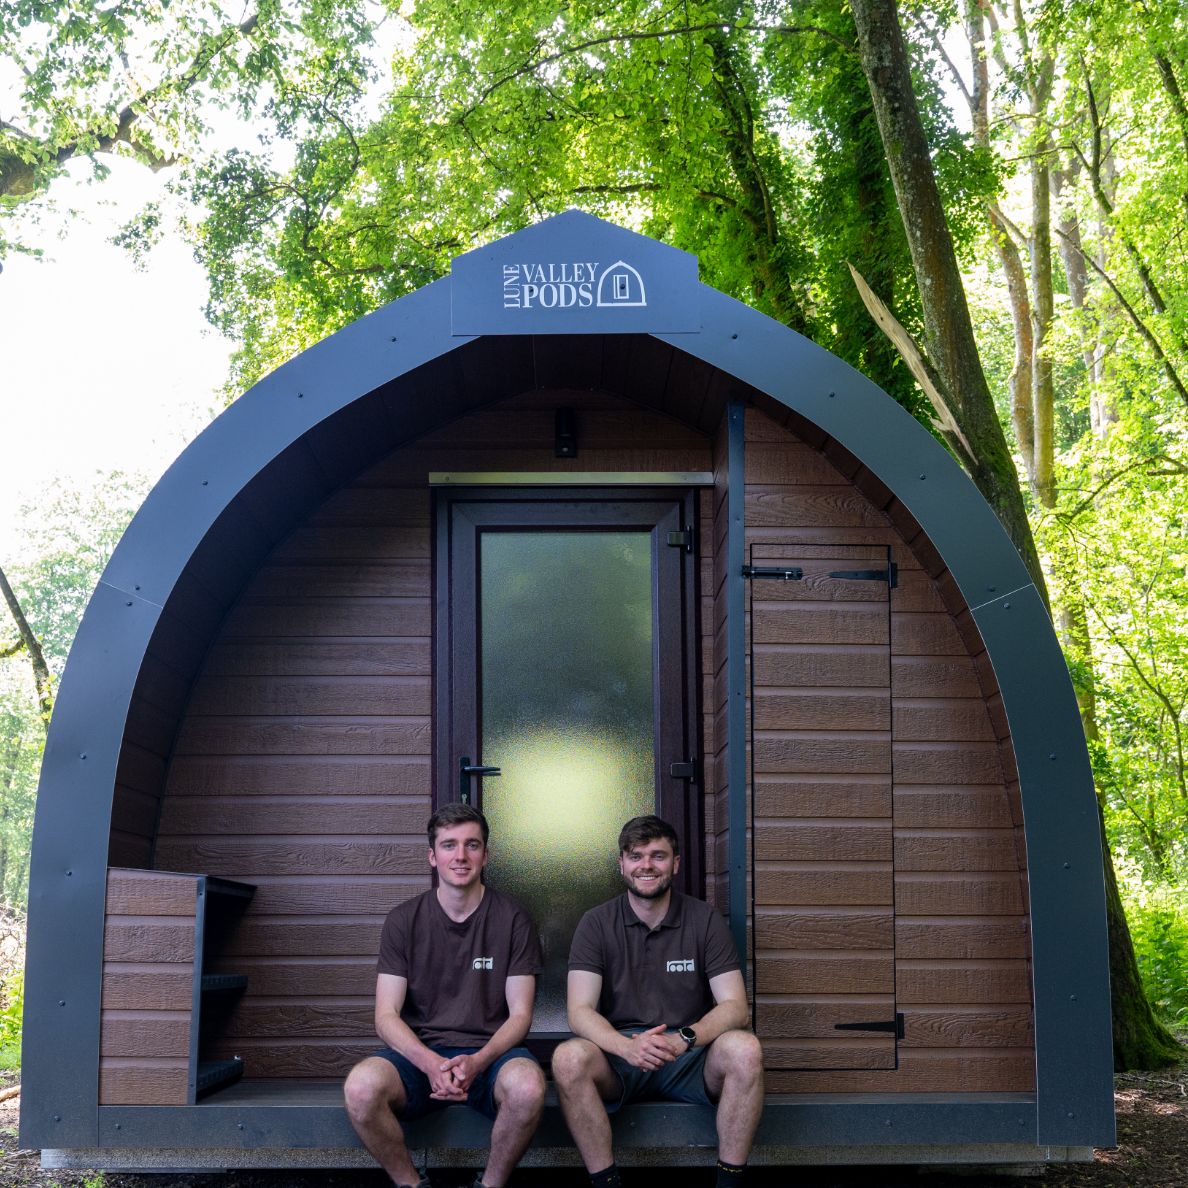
<point x="456" y="972"/>
<point x="655" y="976"/>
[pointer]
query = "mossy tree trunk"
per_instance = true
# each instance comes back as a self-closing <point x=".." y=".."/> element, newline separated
<point x="1140" y="1041"/>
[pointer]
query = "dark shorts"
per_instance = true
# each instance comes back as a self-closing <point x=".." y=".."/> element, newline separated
<point x="416" y="1085"/>
<point x="681" y="1080"/>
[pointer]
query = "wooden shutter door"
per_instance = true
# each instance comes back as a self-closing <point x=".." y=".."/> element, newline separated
<point x="821" y="771"/>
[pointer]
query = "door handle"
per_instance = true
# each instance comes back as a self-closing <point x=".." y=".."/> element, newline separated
<point x="466" y="770"/>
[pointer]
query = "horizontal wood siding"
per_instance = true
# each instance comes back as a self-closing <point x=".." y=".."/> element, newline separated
<point x="824" y="914"/>
<point x="148" y="988"/>
<point x="870" y="827"/>
<point x="303" y="762"/>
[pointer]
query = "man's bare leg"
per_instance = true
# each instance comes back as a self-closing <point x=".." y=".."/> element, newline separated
<point x="373" y="1090"/>
<point x="519" y="1096"/>
<point x="734" y="1078"/>
<point x="585" y="1080"/>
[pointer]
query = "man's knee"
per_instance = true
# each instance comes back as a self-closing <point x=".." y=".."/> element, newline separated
<point x="520" y="1086"/>
<point x="739" y="1054"/>
<point x="573" y="1061"/>
<point x="371" y="1085"/>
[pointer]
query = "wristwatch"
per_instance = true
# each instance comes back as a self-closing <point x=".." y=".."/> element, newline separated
<point x="689" y="1036"/>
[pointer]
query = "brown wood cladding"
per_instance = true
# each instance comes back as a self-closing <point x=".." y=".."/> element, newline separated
<point x="888" y="867"/>
<point x="148" y="988"/>
<point x="888" y="874"/>
<point x="303" y="762"/>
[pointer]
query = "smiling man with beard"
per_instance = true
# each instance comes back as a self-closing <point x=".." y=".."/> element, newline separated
<point x="658" y="1005"/>
<point x="453" y="1000"/>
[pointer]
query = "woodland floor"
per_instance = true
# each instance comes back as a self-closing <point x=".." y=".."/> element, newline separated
<point x="1152" y="1152"/>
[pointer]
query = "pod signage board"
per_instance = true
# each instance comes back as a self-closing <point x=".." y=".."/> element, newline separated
<point x="575" y="274"/>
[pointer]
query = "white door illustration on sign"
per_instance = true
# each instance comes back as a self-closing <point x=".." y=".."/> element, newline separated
<point x="620" y="284"/>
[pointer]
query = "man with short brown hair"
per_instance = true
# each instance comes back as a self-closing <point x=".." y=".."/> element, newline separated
<point x="658" y="1003"/>
<point x="453" y="1000"/>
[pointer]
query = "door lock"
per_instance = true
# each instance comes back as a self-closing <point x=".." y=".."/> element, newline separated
<point x="466" y="770"/>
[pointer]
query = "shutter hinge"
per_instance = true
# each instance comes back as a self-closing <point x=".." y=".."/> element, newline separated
<point x="890" y="575"/>
<point x="684" y="771"/>
<point x="894" y="1026"/>
<point x="681" y="540"/>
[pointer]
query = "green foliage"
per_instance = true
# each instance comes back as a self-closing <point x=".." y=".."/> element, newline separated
<point x="144" y="78"/>
<point x="12" y="1006"/>
<point x="1158" y="917"/>
<point x="718" y="127"/>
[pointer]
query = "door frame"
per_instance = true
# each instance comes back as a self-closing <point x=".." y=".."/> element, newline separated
<point x="461" y="513"/>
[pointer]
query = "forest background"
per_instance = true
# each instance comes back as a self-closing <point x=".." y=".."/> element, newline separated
<point x="982" y="206"/>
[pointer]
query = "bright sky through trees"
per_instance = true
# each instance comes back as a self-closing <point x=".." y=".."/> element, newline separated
<point x="104" y="367"/>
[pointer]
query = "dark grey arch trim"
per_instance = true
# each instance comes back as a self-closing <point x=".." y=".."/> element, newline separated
<point x="284" y="413"/>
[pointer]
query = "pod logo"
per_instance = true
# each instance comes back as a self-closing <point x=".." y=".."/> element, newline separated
<point x="576" y="284"/>
<point x="682" y="965"/>
<point x="483" y="963"/>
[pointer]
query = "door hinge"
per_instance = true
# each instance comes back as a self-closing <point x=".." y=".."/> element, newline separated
<point x="684" y="771"/>
<point x="894" y="1026"/>
<point x="792" y="573"/>
<point x="890" y="575"/>
<point x="681" y="540"/>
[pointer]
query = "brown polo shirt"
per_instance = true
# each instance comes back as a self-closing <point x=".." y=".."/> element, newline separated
<point x="456" y="972"/>
<point x="654" y="976"/>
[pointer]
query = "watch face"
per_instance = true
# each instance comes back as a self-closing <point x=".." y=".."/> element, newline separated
<point x="688" y="1035"/>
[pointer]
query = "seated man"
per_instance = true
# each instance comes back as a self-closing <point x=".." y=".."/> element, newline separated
<point x="657" y="999"/>
<point x="453" y="999"/>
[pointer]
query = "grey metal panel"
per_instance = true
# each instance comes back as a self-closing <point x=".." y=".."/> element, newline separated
<point x="1074" y="1061"/>
<point x="281" y="494"/>
<point x="663" y="1125"/>
<point x="357" y="435"/>
<point x="736" y="679"/>
<point x="68" y="872"/>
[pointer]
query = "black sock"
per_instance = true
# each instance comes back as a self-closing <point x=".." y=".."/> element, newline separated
<point x="730" y="1175"/>
<point x="607" y="1178"/>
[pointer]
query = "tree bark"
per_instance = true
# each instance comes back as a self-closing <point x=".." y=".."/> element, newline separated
<point x="948" y="329"/>
<point x="1139" y="1038"/>
<point x="1043" y="396"/>
<point x="1020" y="379"/>
<point x="41" y="672"/>
<point x="1102" y="411"/>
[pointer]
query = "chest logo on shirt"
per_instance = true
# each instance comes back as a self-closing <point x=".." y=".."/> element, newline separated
<point x="681" y="965"/>
<point x="483" y="963"/>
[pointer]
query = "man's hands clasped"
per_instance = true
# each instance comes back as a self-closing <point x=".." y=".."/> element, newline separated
<point x="654" y="1048"/>
<point x="451" y="1079"/>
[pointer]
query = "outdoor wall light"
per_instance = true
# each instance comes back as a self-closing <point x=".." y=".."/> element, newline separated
<point x="565" y="434"/>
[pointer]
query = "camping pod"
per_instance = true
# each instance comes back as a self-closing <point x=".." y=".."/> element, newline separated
<point x="572" y="536"/>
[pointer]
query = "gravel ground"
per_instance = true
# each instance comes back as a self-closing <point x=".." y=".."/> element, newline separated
<point x="1152" y="1152"/>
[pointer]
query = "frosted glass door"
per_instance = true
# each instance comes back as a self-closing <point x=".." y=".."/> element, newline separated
<point x="567" y="712"/>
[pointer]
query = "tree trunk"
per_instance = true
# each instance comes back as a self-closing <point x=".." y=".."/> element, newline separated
<point x="1102" y="411"/>
<point x="1139" y="1039"/>
<point x="41" y="672"/>
<point x="1020" y="379"/>
<point x="1043" y="481"/>
<point x="948" y="329"/>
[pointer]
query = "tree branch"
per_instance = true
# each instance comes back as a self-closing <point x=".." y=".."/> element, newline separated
<point x="723" y="27"/>
<point x="1144" y="330"/>
<point x="30" y="642"/>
